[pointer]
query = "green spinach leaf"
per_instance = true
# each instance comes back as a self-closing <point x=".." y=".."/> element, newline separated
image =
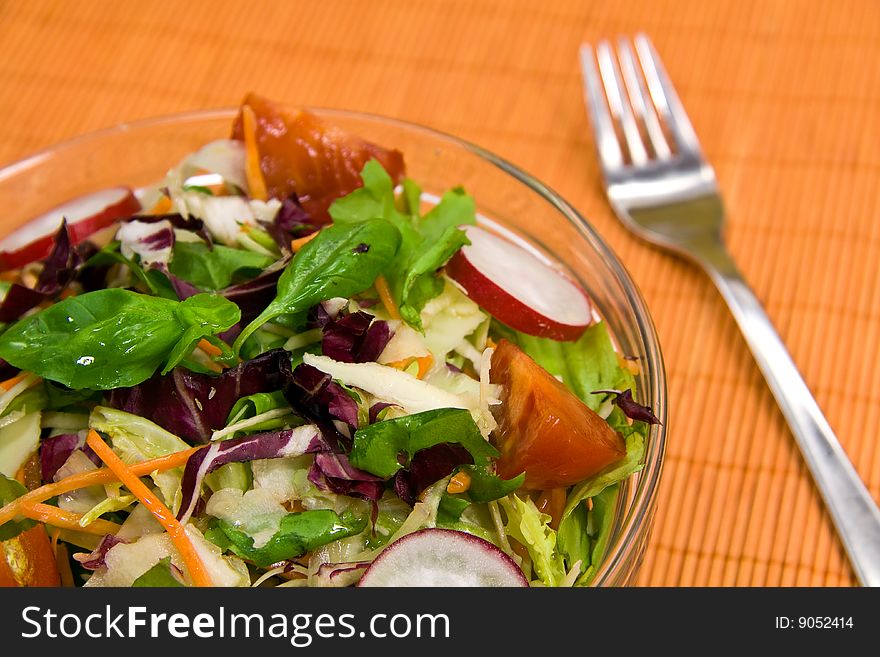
<point x="341" y="261"/>
<point x="113" y="338"/>
<point x="377" y="447"/>
<point x="297" y="534"/>
<point x="215" y="268"/>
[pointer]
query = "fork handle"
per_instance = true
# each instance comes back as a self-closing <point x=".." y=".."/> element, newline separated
<point x="852" y="508"/>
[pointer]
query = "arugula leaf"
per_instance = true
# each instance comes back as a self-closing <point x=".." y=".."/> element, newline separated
<point x="378" y="446"/>
<point x="334" y="264"/>
<point x="298" y="533"/>
<point x="426" y="242"/>
<point x="214" y="268"/>
<point x="113" y="338"/>
<point x="158" y="576"/>
<point x="11" y="490"/>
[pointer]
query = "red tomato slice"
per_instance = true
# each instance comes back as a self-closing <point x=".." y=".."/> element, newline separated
<point x="543" y="429"/>
<point x="28" y="560"/>
<point x="300" y="153"/>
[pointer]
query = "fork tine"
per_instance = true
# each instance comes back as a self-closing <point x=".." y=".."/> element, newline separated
<point x="610" y="154"/>
<point x="635" y="84"/>
<point x="619" y="104"/>
<point x="665" y="99"/>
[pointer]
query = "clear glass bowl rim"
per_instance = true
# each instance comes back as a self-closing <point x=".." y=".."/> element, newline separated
<point x="620" y="553"/>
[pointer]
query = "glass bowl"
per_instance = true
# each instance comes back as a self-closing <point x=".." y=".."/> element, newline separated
<point x="138" y="154"/>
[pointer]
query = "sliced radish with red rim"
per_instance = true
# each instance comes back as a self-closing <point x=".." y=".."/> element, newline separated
<point x="518" y="288"/>
<point x="85" y="215"/>
<point x="443" y="557"/>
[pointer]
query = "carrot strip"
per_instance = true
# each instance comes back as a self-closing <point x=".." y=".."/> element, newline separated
<point x="92" y="478"/>
<point x="300" y="242"/>
<point x="62" y="560"/>
<point x="162" y="513"/>
<point x="424" y="362"/>
<point x="52" y="515"/>
<point x="210" y="349"/>
<point x="9" y="384"/>
<point x="163" y="206"/>
<point x="253" y="173"/>
<point x="385" y="296"/>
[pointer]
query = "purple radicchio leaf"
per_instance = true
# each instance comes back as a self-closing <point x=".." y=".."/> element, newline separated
<point x="630" y="407"/>
<point x="340" y="574"/>
<point x="193" y="405"/>
<point x="7" y="371"/>
<point x="355" y="338"/>
<point x="97" y="557"/>
<point x="55" y="451"/>
<point x="254" y="295"/>
<point x="270" y="445"/>
<point x="427" y="467"/>
<point x="59" y="269"/>
<point x="291" y="221"/>
<point x="377" y="408"/>
<point x="315" y="395"/>
<point x="192" y="224"/>
<point x="334" y="473"/>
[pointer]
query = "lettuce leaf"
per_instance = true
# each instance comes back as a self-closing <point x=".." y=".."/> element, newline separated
<point x="532" y="529"/>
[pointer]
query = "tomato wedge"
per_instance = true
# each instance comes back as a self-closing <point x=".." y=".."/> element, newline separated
<point x="543" y="429"/>
<point x="301" y="154"/>
<point x="28" y="560"/>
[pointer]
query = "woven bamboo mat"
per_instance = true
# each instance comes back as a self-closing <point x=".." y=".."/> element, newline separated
<point x="784" y="95"/>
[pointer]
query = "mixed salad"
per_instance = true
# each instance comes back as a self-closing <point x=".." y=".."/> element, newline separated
<point x="283" y="366"/>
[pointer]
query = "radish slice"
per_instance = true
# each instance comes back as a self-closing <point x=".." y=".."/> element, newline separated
<point x="85" y="215"/>
<point x="518" y="288"/>
<point x="442" y="557"/>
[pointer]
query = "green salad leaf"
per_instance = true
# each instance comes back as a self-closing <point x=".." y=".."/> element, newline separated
<point x="588" y="364"/>
<point x="158" y="576"/>
<point x="298" y="533"/>
<point x="341" y="261"/>
<point x="426" y="242"/>
<point x="532" y="529"/>
<point x="113" y="338"/>
<point x="11" y="490"/>
<point x="377" y="447"/>
<point x="215" y="268"/>
<point x="486" y="486"/>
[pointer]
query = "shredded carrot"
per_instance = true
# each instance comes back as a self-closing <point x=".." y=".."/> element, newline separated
<point x="163" y="206"/>
<point x="9" y="384"/>
<point x="424" y="362"/>
<point x="52" y="515"/>
<point x="62" y="560"/>
<point x="210" y="349"/>
<point x="66" y="293"/>
<point x="459" y="483"/>
<point x="385" y="296"/>
<point x="253" y="173"/>
<point x="11" y="275"/>
<point x="300" y="242"/>
<point x="92" y="478"/>
<point x="162" y="513"/>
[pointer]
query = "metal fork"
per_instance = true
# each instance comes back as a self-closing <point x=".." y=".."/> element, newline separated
<point x="661" y="186"/>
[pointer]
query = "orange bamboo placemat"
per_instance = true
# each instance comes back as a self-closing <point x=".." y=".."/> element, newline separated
<point x="785" y="98"/>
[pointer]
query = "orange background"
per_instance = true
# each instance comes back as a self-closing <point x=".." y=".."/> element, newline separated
<point x="785" y="96"/>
